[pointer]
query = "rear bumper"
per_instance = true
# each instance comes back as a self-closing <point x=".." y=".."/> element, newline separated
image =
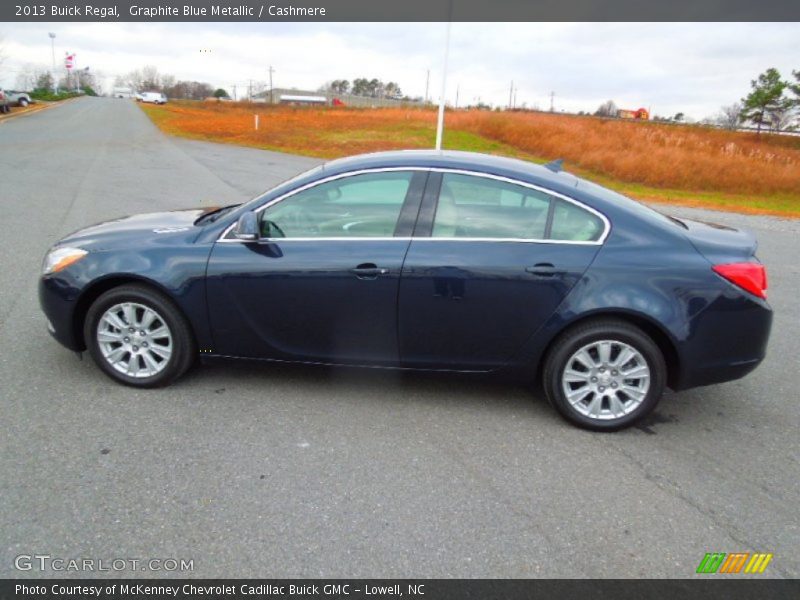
<point x="727" y="341"/>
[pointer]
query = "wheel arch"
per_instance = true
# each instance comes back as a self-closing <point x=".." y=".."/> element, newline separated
<point x="101" y="286"/>
<point x="660" y="336"/>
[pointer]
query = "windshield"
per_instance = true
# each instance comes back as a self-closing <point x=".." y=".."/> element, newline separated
<point x="284" y="186"/>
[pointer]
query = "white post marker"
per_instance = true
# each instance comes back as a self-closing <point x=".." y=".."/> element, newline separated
<point x="256" y="116"/>
<point x="440" y="120"/>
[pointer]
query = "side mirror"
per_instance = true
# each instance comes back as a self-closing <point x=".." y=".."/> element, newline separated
<point x="246" y="227"/>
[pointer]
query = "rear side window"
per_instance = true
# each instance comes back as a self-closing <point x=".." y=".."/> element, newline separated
<point x="574" y="224"/>
<point x="479" y="207"/>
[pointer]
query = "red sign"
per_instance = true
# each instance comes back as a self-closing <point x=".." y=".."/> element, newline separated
<point x="69" y="61"/>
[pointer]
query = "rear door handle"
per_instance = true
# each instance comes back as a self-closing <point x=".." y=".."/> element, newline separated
<point x="368" y="271"/>
<point x="543" y="270"/>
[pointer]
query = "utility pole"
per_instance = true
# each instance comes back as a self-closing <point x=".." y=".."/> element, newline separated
<point x="440" y="121"/>
<point x="458" y="87"/>
<point x="552" y="106"/>
<point x="427" y="83"/>
<point x="271" y="71"/>
<point x="53" y="50"/>
<point x="511" y="95"/>
<point x="250" y="90"/>
<point x="234" y="92"/>
<point x="514" y="103"/>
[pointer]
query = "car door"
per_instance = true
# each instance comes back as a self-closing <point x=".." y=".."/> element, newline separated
<point x="321" y="283"/>
<point x="490" y="261"/>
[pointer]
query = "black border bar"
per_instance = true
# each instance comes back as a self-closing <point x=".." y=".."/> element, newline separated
<point x="401" y="10"/>
<point x="712" y="588"/>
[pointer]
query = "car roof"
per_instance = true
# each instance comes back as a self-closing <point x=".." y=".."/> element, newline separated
<point x="451" y="159"/>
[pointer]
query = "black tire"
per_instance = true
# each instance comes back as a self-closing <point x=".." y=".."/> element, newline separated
<point x="582" y="335"/>
<point x="184" y="350"/>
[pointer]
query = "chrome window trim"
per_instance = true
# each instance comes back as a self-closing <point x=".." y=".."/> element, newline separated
<point x="598" y="242"/>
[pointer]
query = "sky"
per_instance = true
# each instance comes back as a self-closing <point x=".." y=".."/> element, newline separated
<point x="693" y="68"/>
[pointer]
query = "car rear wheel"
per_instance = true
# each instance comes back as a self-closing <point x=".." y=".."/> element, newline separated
<point x="23" y="103"/>
<point x="604" y="375"/>
<point x="138" y="337"/>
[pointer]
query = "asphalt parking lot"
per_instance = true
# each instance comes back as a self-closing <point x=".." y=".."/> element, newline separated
<point x="279" y="471"/>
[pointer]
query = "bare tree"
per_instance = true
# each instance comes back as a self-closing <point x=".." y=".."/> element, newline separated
<point x="27" y="75"/>
<point x="150" y="78"/>
<point x="607" y="109"/>
<point x="730" y="116"/>
<point x="781" y="117"/>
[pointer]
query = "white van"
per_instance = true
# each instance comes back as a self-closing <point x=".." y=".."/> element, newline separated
<point x="154" y="97"/>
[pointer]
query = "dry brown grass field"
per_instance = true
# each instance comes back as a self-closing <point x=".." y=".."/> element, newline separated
<point x="679" y="164"/>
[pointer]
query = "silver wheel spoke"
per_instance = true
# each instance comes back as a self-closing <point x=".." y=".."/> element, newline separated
<point x="584" y="358"/>
<point x="616" y="406"/>
<point x="633" y="392"/>
<point x="636" y="372"/>
<point x="161" y="351"/>
<point x="593" y="410"/>
<point x="623" y="357"/>
<point x="150" y="362"/>
<point x="116" y="355"/>
<point x="600" y="388"/>
<point x="133" y="365"/>
<point x="140" y="353"/>
<point x="159" y="333"/>
<point x="604" y="352"/>
<point x="113" y="320"/>
<point x="575" y="376"/>
<point x="109" y="336"/>
<point x="129" y="314"/>
<point x="147" y="319"/>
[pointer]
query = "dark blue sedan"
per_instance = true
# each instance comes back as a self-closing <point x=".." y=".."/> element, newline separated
<point x="423" y="260"/>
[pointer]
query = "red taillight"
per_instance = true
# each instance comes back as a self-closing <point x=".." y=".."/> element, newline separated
<point x="751" y="277"/>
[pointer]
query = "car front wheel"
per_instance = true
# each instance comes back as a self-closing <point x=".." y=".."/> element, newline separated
<point x="138" y="337"/>
<point x="23" y="103"/>
<point x="604" y="375"/>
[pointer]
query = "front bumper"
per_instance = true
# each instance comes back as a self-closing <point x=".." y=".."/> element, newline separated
<point x="59" y="300"/>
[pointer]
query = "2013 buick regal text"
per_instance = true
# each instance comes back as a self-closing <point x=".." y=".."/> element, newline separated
<point x="423" y="260"/>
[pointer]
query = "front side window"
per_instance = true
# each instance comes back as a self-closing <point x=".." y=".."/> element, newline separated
<point x="481" y="207"/>
<point x="366" y="205"/>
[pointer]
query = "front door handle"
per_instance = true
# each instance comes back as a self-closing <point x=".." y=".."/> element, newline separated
<point x="368" y="271"/>
<point x="543" y="270"/>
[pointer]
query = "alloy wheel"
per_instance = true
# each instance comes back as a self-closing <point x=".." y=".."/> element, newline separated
<point x="134" y="339"/>
<point x="606" y="379"/>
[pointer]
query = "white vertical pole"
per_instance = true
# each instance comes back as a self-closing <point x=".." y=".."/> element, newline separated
<point x="440" y="120"/>
<point x="256" y="116"/>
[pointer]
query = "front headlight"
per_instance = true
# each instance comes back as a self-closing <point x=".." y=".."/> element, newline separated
<point x="61" y="258"/>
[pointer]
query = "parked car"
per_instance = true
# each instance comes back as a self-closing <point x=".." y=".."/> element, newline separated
<point x="423" y="260"/>
<point x="18" y="98"/>
<point x="154" y="97"/>
<point x="5" y="105"/>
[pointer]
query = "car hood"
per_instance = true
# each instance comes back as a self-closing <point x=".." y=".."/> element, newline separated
<point x="156" y="228"/>
<point x="720" y="243"/>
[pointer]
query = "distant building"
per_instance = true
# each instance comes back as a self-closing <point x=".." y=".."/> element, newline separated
<point x="641" y="114"/>
<point x="308" y="97"/>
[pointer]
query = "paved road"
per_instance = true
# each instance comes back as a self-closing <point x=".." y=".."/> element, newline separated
<point x="288" y="471"/>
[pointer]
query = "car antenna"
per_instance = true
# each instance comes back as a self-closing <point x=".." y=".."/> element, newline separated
<point x="555" y="165"/>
